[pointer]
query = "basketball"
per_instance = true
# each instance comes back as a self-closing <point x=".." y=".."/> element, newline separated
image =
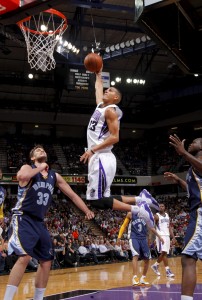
<point x="93" y="62"/>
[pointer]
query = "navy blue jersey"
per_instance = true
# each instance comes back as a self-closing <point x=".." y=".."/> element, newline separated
<point x="194" y="184"/>
<point x="35" y="198"/>
<point x="137" y="228"/>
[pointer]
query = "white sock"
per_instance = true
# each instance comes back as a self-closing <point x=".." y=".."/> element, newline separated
<point x="156" y="264"/>
<point x="167" y="268"/>
<point x="39" y="293"/>
<point x="183" y="297"/>
<point x="10" y="292"/>
<point x="138" y="200"/>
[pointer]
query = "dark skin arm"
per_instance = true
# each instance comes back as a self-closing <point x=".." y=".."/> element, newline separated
<point x="175" y="179"/>
<point x="179" y="147"/>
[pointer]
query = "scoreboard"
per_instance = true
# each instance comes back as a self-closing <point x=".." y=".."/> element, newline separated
<point x="81" y="79"/>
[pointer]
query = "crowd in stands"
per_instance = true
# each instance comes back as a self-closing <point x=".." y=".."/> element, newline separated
<point x="73" y="150"/>
<point x="138" y="157"/>
<point x="76" y="244"/>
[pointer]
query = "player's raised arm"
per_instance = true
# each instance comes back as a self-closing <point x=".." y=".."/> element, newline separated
<point x="99" y="87"/>
<point x="67" y="190"/>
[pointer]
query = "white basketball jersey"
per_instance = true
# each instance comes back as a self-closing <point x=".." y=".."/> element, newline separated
<point x="97" y="130"/>
<point x="163" y="224"/>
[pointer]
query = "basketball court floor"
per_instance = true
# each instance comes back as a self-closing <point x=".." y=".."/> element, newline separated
<point x="106" y="282"/>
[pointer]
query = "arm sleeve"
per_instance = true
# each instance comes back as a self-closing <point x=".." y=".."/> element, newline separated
<point x="123" y="227"/>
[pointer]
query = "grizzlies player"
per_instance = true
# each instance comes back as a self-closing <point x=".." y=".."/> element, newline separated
<point x="138" y="225"/>
<point x="2" y="198"/>
<point x="193" y="237"/>
<point x="30" y="237"/>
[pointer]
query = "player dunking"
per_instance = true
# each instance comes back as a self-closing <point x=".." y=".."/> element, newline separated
<point x="102" y="134"/>
<point x="30" y="237"/>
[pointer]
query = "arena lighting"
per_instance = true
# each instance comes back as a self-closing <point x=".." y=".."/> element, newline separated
<point x="132" y="42"/>
<point x="136" y="81"/>
<point x="198" y="128"/>
<point x="118" y="79"/>
<point x="143" y="39"/>
<point x="128" y="80"/>
<point x="127" y="44"/>
<point x="30" y="76"/>
<point x="132" y="81"/>
<point x="112" y="48"/>
<point x="122" y="45"/>
<point x="65" y="46"/>
<point x="117" y="46"/>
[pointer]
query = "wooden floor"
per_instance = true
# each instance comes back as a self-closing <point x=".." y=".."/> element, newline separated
<point x="98" y="277"/>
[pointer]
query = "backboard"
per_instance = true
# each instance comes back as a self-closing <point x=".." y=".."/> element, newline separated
<point x="139" y="7"/>
<point x="12" y="11"/>
<point x="10" y="5"/>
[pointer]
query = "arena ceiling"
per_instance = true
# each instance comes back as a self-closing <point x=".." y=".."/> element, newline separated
<point x="167" y="60"/>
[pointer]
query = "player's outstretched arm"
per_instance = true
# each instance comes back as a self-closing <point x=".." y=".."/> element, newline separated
<point x="67" y="190"/>
<point x="99" y="87"/>
<point x="175" y="179"/>
<point x="179" y="147"/>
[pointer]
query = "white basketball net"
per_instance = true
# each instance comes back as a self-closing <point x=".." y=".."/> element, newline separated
<point x="41" y="34"/>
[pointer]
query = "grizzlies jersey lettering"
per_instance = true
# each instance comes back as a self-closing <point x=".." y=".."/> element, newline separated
<point x="2" y="198"/>
<point x="194" y="183"/>
<point x="137" y="228"/>
<point x="97" y="130"/>
<point x="36" y="197"/>
<point x="163" y="224"/>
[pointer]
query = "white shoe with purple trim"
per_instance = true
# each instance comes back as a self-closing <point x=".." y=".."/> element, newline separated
<point x="146" y="196"/>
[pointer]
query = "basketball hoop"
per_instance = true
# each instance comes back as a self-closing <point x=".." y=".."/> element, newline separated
<point x="42" y="33"/>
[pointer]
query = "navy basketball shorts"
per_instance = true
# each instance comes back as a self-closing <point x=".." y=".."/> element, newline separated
<point x="30" y="236"/>
<point x="139" y="247"/>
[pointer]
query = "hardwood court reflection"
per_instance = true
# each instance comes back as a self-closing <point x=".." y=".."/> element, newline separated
<point x="98" y="277"/>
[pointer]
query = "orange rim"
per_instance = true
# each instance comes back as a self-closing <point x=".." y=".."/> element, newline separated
<point x="51" y="11"/>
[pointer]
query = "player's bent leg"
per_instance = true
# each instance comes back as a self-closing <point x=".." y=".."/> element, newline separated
<point x="188" y="275"/>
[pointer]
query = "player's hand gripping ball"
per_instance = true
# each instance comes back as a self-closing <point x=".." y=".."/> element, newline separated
<point x="93" y="62"/>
